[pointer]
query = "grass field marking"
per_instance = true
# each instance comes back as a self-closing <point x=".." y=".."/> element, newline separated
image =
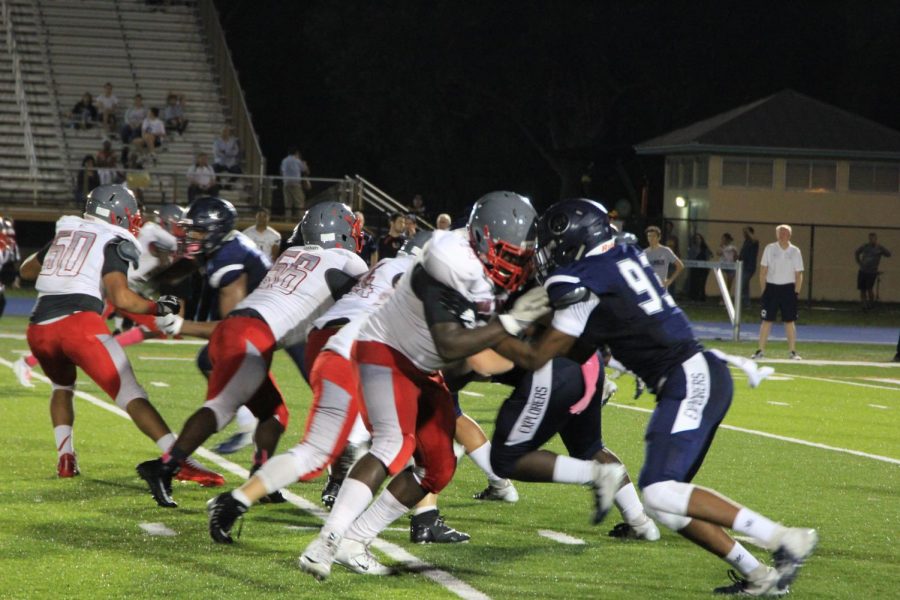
<point x="777" y="403"/>
<point x="879" y="406"/>
<point x="830" y="363"/>
<point x="180" y="358"/>
<point x="882" y="380"/>
<point x="782" y="438"/>
<point x="561" y="538"/>
<point x="160" y="384"/>
<point x="12" y="336"/>
<point x="468" y="393"/>
<point x="157" y="529"/>
<point x="854" y="383"/>
<point x="443" y="578"/>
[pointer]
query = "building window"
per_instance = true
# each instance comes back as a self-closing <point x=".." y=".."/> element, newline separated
<point x="743" y="172"/>
<point x="701" y="164"/>
<point x="686" y="173"/>
<point x="807" y="175"/>
<point x="872" y="177"/>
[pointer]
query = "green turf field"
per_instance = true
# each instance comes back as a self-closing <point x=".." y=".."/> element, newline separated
<point x="82" y="537"/>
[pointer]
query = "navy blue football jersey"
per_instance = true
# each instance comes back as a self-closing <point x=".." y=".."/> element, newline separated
<point x="237" y="256"/>
<point x="623" y="306"/>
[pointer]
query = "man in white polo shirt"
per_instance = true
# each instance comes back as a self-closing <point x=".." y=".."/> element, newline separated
<point x="266" y="238"/>
<point x="780" y="277"/>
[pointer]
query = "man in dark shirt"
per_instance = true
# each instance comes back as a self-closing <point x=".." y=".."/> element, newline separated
<point x="749" y="257"/>
<point x="389" y="245"/>
<point x="868" y="257"/>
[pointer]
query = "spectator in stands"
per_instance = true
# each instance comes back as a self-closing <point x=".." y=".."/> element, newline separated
<point x="84" y="113"/>
<point x="153" y="133"/>
<point x="369" y="246"/>
<point x="106" y="163"/>
<point x="443" y="221"/>
<point x="266" y="238"/>
<point x="87" y="179"/>
<point x="418" y="206"/>
<point x="411" y="226"/>
<point x="201" y="179"/>
<point x="173" y="113"/>
<point x="138" y="178"/>
<point x="293" y="167"/>
<point x="727" y="253"/>
<point x="226" y="153"/>
<point x="698" y="250"/>
<point x="131" y="128"/>
<point x="107" y="104"/>
<point x="389" y="245"/>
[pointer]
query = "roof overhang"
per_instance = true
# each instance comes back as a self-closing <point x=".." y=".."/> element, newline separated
<point x="765" y="151"/>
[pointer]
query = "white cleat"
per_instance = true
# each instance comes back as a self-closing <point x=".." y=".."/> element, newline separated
<point x="792" y="549"/>
<point x="763" y="583"/>
<point x="319" y="556"/>
<point x="606" y="482"/>
<point x="23" y="372"/>
<point x="503" y="490"/>
<point x="357" y="557"/>
<point x="646" y="530"/>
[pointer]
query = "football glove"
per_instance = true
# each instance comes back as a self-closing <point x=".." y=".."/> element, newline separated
<point x="166" y="305"/>
<point x="170" y="324"/>
<point x="528" y="308"/>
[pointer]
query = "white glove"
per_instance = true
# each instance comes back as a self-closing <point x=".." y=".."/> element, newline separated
<point x="528" y="308"/>
<point x="170" y="324"/>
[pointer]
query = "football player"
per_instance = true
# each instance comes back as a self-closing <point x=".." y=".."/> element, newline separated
<point x="604" y="292"/>
<point x="86" y="262"/>
<point x="303" y="283"/>
<point x="402" y="348"/>
<point x="9" y="258"/>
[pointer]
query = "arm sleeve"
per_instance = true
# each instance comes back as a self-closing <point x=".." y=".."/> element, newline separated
<point x="798" y="260"/>
<point x="113" y="261"/>
<point x="765" y="258"/>
<point x="442" y="303"/>
<point x="573" y="319"/>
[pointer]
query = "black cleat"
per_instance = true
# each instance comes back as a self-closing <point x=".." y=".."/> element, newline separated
<point x="429" y="528"/>
<point x="223" y="511"/>
<point x="275" y="497"/>
<point x="330" y="492"/>
<point x="158" y="476"/>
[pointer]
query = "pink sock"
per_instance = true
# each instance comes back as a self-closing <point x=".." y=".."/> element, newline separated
<point x="30" y="360"/>
<point x="135" y="335"/>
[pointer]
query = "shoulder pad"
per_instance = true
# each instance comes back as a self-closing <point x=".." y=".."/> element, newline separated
<point x="570" y="297"/>
<point x="128" y="252"/>
<point x="338" y="282"/>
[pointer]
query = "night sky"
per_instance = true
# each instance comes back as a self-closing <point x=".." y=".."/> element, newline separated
<point x="453" y="99"/>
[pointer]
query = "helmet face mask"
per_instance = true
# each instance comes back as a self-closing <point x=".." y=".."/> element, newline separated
<point x="502" y="234"/>
<point x="208" y="221"/>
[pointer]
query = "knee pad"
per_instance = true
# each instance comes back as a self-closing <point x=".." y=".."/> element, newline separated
<point x="224" y="414"/>
<point x="129" y="392"/>
<point x="668" y="497"/>
<point x="668" y="520"/>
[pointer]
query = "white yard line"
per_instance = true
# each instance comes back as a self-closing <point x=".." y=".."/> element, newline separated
<point x="777" y="403"/>
<point x="468" y="393"/>
<point x="443" y="578"/>
<point x="879" y="406"/>
<point x="830" y="363"/>
<point x="562" y="538"/>
<point x="157" y="529"/>
<point x="159" y="384"/>
<point x="844" y="381"/>
<point x="180" y="358"/>
<point x="883" y="380"/>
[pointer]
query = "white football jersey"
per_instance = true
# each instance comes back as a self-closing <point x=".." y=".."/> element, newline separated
<point x="372" y="290"/>
<point x="74" y="263"/>
<point x="155" y="234"/>
<point x="400" y="322"/>
<point x="295" y="291"/>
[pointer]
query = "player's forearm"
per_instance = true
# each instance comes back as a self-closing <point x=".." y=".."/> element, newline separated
<point x="31" y="268"/>
<point x="200" y="329"/>
<point x="125" y="299"/>
<point x="523" y="354"/>
<point x="798" y="281"/>
<point x="454" y="342"/>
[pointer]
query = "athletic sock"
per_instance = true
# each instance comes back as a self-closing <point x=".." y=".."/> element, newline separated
<point x="351" y="502"/>
<point x="421" y="510"/>
<point x="246" y="420"/>
<point x="135" y="335"/>
<point x="30" y="360"/>
<point x="756" y="526"/>
<point x="742" y="560"/>
<point x="572" y="470"/>
<point x="385" y="510"/>
<point x="241" y="497"/>
<point x="481" y="456"/>
<point x="629" y="504"/>
<point x="280" y="471"/>
<point x="64" y="441"/>
<point x="166" y="441"/>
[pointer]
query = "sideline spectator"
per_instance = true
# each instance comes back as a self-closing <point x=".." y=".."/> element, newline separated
<point x="106" y="163"/>
<point x="227" y="153"/>
<point x="87" y="179"/>
<point x="266" y="239"/>
<point x="173" y="113"/>
<point x="369" y="246"/>
<point x="727" y="254"/>
<point x="897" y="355"/>
<point x="389" y="245"/>
<point x="201" y="179"/>
<point x="293" y="167"/>
<point x="661" y="257"/>
<point x="84" y="113"/>
<point x="670" y="239"/>
<point x="868" y="257"/>
<point x="780" y="276"/>
<point x="131" y="128"/>
<point x="418" y="206"/>
<point x="698" y="250"/>
<point x="443" y="221"/>
<point x="749" y="256"/>
<point x="107" y="103"/>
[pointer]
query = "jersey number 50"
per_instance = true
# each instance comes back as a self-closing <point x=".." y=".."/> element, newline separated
<point x="291" y="269"/>
<point x="637" y="279"/>
<point x="67" y="254"/>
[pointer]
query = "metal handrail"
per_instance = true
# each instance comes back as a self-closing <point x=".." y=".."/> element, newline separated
<point x="21" y="100"/>
<point x="254" y="161"/>
<point x="385" y="202"/>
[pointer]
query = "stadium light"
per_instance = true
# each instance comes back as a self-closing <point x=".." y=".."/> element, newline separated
<point x="680" y="201"/>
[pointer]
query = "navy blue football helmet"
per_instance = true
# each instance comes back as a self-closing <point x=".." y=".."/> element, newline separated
<point x="213" y="217"/>
<point x="570" y="230"/>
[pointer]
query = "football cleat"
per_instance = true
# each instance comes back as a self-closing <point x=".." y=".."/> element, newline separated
<point x="792" y="549"/>
<point x="191" y="470"/>
<point x="503" y="490"/>
<point x="275" y="497"/>
<point x="795" y="356"/>
<point x="158" y="476"/>
<point x="757" y="355"/>
<point x="607" y="480"/>
<point x="235" y="443"/>
<point x="223" y="511"/>
<point x="67" y="466"/>
<point x="23" y="372"/>
<point x="330" y="492"/>
<point x="357" y="557"/>
<point x="319" y="556"/>
<point x="645" y="531"/>
<point x="429" y="528"/>
<point x="765" y="585"/>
